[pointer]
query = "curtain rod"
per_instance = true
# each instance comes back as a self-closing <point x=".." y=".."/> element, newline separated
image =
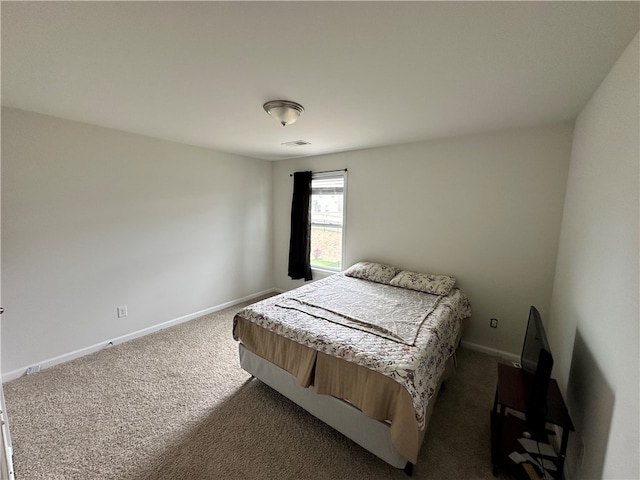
<point x="327" y="171"/>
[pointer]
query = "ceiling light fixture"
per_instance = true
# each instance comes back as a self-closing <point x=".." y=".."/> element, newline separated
<point x="284" y="111"/>
<point x="296" y="143"/>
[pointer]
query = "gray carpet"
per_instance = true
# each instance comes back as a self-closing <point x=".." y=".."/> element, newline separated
<point x="176" y="405"/>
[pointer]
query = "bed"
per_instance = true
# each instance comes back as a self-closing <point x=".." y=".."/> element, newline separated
<point x="365" y="351"/>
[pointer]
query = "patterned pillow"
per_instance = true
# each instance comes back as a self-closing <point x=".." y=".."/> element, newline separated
<point x="374" y="272"/>
<point x="424" y="282"/>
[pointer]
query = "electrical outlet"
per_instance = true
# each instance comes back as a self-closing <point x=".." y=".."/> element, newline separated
<point x="33" y="369"/>
<point x="122" y="311"/>
<point x="493" y="323"/>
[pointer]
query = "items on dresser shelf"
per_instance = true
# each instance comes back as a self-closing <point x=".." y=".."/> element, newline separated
<point x="538" y="461"/>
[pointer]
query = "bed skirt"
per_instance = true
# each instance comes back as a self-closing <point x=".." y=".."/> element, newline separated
<point x="371" y="434"/>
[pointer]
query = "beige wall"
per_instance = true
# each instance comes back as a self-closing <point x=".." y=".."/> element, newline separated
<point x="595" y="308"/>
<point x="94" y="218"/>
<point x="485" y="209"/>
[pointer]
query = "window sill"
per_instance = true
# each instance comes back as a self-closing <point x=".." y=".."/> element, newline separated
<point x="324" y="271"/>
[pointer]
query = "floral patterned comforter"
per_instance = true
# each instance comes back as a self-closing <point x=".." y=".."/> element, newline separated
<point x="417" y="366"/>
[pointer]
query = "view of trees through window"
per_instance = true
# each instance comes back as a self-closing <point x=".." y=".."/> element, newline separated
<point x="327" y="218"/>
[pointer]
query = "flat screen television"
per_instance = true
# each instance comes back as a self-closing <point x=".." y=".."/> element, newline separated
<point x="537" y="360"/>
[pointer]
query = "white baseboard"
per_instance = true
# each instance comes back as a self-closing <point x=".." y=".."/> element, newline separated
<point x="146" y="331"/>
<point x="130" y="336"/>
<point x="510" y="357"/>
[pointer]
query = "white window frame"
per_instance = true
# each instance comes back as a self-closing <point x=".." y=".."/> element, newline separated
<point x="335" y="174"/>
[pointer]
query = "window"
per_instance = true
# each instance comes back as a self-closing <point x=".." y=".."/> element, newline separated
<point x="327" y="219"/>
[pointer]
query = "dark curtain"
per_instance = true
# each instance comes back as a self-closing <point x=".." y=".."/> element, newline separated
<point x="300" y="242"/>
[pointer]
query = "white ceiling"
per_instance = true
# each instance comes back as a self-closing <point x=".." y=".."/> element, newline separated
<point x="367" y="73"/>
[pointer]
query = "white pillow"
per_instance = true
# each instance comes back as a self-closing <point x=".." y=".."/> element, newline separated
<point x="424" y="282"/>
<point x="374" y="272"/>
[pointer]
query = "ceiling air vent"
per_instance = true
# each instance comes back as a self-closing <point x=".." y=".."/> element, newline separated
<point x="296" y="143"/>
